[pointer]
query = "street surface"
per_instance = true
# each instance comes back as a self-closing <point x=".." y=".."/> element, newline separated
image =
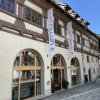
<point x="89" y="91"/>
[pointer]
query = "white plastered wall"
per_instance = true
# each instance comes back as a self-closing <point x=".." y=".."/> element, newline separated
<point x="7" y="18"/>
<point x="11" y="45"/>
<point x="92" y="65"/>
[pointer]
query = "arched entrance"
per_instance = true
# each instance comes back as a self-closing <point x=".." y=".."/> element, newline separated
<point x="75" y="71"/>
<point x="27" y="75"/>
<point x="57" y="72"/>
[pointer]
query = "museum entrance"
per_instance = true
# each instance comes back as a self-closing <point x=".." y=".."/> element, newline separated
<point x="57" y="77"/>
<point x="26" y="75"/>
<point x="75" y="71"/>
<point x="57" y="73"/>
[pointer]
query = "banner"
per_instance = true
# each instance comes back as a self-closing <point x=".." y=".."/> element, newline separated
<point x="50" y="27"/>
<point x="70" y="37"/>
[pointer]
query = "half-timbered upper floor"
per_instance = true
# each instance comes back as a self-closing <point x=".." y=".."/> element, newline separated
<point x="28" y="18"/>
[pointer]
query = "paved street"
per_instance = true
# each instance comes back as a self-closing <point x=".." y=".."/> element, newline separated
<point x="90" y="91"/>
<point x="89" y="95"/>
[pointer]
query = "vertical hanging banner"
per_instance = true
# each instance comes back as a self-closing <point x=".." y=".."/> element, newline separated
<point x="70" y="37"/>
<point x="50" y="27"/>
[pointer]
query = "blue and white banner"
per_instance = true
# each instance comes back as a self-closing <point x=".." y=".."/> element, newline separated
<point x="50" y="27"/>
<point x="70" y="37"/>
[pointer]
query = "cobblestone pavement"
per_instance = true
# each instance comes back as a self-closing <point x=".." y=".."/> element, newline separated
<point x="89" y="91"/>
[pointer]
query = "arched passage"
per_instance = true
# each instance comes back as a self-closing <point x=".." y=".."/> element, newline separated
<point x="27" y="75"/>
<point x="58" y="72"/>
<point x="75" y="71"/>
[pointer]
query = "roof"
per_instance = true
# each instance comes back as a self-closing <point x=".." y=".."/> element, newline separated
<point x="68" y="10"/>
<point x="72" y="13"/>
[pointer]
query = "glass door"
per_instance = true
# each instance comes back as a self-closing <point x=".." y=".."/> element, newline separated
<point x="57" y="78"/>
<point x="57" y="73"/>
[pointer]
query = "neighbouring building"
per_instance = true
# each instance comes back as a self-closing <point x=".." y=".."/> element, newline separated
<point x="26" y="68"/>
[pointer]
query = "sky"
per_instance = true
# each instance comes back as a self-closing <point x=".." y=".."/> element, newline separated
<point x="88" y="10"/>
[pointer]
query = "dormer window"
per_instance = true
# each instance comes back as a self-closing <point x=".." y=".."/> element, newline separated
<point x="7" y="5"/>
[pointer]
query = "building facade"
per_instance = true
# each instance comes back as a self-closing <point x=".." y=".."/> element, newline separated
<point x="27" y="69"/>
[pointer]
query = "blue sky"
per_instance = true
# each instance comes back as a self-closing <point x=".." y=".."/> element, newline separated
<point x="88" y="10"/>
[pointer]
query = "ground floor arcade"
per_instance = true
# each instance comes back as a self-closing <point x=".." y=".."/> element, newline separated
<point x="28" y="74"/>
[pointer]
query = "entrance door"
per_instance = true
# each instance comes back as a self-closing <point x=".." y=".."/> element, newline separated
<point x="75" y="71"/>
<point x="27" y="68"/>
<point x="89" y="74"/>
<point x="57" y="79"/>
<point x="74" y="77"/>
<point x="57" y="72"/>
<point x="74" y="80"/>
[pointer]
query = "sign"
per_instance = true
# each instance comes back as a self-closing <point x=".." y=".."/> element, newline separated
<point x="50" y="27"/>
<point x="70" y="37"/>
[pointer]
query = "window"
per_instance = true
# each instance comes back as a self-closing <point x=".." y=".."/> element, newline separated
<point x="57" y="61"/>
<point x="97" y="60"/>
<point x="95" y="47"/>
<point x="88" y="60"/>
<point x="57" y="27"/>
<point x="92" y="59"/>
<point x="83" y="41"/>
<point x="78" y="39"/>
<point x="28" y="14"/>
<point x="33" y="16"/>
<point x="30" y="79"/>
<point x="91" y="45"/>
<point x="7" y="5"/>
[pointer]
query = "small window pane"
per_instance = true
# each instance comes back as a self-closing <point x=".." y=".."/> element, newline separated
<point x="28" y="13"/>
<point x="88" y="60"/>
<point x="7" y="5"/>
<point x="83" y="41"/>
<point x="33" y="16"/>
<point x="39" y="19"/>
<point x="3" y="4"/>
<point x="10" y="5"/>
<point x="78" y="39"/>
<point x="57" y="27"/>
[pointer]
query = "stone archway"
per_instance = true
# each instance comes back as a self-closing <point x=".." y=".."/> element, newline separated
<point x="58" y="72"/>
<point x="27" y="75"/>
<point x="75" y="71"/>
